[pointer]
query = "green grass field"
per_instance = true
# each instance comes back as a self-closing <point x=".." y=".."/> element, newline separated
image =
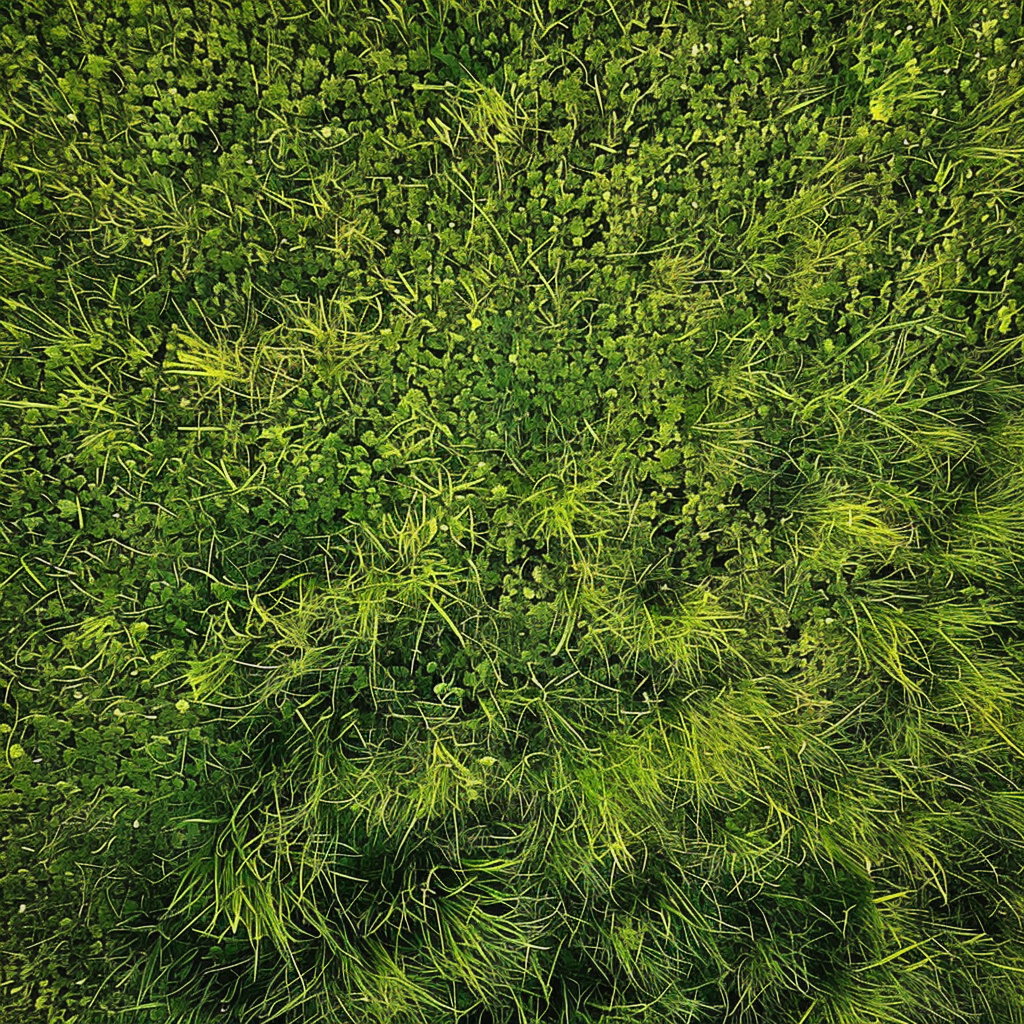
<point x="511" y="513"/>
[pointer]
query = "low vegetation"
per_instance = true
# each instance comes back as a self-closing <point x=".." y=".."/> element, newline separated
<point x="511" y="514"/>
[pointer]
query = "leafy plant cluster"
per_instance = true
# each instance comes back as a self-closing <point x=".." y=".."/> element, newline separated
<point x="511" y="513"/>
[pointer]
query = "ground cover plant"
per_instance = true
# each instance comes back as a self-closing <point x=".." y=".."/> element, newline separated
<point x="511" y="513"/>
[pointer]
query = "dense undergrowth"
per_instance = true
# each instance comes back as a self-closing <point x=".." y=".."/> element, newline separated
<point x="511" y="514"/>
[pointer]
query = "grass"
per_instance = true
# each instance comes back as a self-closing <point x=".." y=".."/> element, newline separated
<point x="511" y="514"/>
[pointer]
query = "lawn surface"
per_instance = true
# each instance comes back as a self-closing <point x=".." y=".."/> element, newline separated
<point x="511" y="514"/>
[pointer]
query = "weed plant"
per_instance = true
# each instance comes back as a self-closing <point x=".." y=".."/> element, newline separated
<point x="511" y="513"/>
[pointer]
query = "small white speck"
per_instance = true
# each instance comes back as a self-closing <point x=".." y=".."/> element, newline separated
<point x="319" y="479"/>
<point x="451" y="223"/>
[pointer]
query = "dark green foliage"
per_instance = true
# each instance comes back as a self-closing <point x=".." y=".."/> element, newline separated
<point x="511" y="514"/>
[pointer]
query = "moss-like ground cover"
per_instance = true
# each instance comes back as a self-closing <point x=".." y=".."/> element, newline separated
<point x="511" y="513"/>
